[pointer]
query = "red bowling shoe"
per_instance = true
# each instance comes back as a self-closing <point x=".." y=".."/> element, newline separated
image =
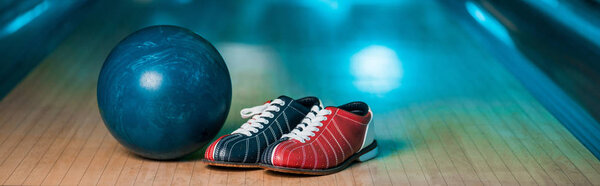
<point x="326" y="141"/>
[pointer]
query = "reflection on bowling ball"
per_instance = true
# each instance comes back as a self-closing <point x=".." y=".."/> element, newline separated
<point x="164" y="92"/>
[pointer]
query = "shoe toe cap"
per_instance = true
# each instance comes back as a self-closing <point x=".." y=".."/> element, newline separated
<point x="209" y="154"/>
<point x="234" y="148"/>
<point x="266" y="157"/>
<point x="284" y="154"/>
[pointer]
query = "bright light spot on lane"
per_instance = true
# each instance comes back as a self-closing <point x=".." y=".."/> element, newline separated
<point x="151" y="80"/>
<point x="376" y="69"/>
<point x="489" y="22"/>
<point x="25" y="18"/>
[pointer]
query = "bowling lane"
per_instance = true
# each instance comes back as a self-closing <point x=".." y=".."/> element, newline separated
<point x="447" y="112"/>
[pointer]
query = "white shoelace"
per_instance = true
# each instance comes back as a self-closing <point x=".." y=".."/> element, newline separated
<point x="309" y="125"/>
<point x="259" y="115"/>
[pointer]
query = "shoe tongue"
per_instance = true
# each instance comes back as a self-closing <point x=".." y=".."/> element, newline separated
<point x="285" y="98"/>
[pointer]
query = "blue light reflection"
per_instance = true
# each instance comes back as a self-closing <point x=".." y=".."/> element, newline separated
<point x="25" y="18"/>
<point x="489" y="22"/>
<point x="586" y="27"/>
<point x="376" y="69"/>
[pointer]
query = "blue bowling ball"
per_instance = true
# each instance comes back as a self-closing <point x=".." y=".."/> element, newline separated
<point x="164" y="92"/>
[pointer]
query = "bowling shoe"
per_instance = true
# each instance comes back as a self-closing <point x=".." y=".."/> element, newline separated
<point x="326" y="141"/>
<point x="244" y="146"/>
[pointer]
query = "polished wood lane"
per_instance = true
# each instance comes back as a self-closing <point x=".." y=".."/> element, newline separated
<point x="447" y="112"/>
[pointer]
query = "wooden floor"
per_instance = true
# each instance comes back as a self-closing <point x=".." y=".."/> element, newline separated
<point x="449" y="114"/>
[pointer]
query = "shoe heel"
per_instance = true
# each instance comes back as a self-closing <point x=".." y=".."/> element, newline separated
<point x="369" y="155"/>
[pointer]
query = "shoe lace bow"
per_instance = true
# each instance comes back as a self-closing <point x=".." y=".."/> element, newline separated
<point x="260" y="115"/>
<point x="309" y="125"/>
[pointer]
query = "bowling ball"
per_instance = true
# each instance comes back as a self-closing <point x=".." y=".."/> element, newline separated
<point x="164" y="92"/>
